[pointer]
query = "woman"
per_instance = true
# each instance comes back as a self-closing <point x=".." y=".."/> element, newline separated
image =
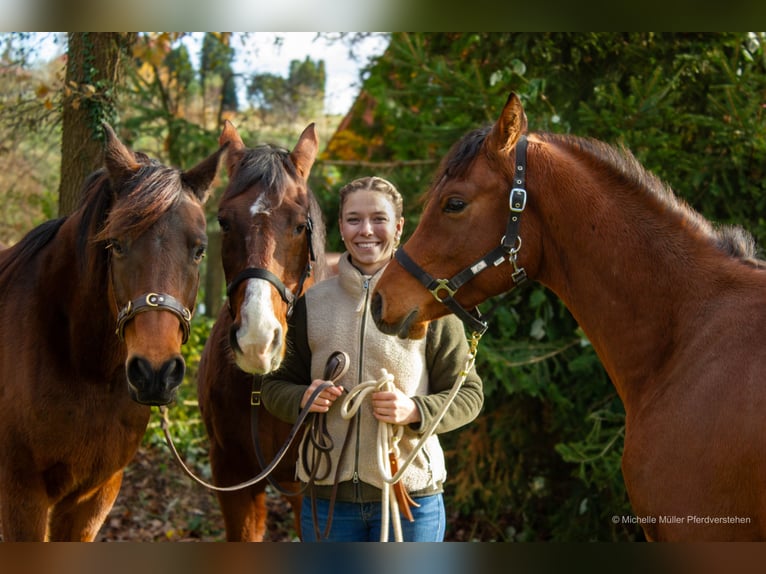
<point x="334" y="316"/>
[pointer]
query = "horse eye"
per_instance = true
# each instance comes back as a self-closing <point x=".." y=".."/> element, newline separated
<point x="454" y="205"/>
<point x="224" y="224"/>
<point x="116" y="247"/>
<point x="300" y="228"/>
<point x="199" y="253"/>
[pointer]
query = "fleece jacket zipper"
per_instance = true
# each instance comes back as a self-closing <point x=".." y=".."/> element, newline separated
<point x="366" y="290"/>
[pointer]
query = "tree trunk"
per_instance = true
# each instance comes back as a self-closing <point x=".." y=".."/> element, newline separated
<point x="93" y="74"/>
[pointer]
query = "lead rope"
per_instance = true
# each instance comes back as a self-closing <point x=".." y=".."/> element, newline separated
<point x="390" y="434"/>
<point x="165" y="423"/>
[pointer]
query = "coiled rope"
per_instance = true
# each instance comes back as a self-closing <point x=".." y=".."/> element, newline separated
<point x="390" y="434"/>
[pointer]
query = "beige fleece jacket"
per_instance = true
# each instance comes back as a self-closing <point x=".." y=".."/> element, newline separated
<point x="335" y="315"/>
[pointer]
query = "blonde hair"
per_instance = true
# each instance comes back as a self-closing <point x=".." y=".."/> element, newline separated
<point x="377" y="184"/>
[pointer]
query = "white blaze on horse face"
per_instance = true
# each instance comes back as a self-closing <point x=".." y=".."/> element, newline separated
<point x="260" y="205"/>
<point x="260" y="334"/>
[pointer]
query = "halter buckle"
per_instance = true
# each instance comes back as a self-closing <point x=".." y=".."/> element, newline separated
<point x="517" y="200"/>
<point x="442" y="284"/>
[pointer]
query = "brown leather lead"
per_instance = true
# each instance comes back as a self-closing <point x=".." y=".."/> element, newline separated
<point x="403" y="498"/>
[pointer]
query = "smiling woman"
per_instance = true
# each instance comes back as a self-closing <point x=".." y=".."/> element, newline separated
<point x="370" y="222"/>
<point x="334" y="315"/>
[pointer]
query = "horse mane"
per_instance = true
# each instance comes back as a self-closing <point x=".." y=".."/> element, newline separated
<point x="29" y="245"/>
<point x="271" y="166"/>
<point x="733" y="240"/>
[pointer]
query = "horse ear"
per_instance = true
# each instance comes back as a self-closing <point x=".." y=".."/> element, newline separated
<point x="305" y="151"/>
<point x="511" y="124"/>
<point x="230" y="138"/>
<point x="120" y="162"/>
<point x="200" y="177"/>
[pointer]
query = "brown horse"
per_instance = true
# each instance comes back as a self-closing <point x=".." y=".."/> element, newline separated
<point x="273" y="249"/>
<point x="81" y="356"/>
<point x="673" y="307"/>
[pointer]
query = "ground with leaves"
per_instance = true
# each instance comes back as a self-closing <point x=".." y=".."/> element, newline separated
<point x="159" y="503"/>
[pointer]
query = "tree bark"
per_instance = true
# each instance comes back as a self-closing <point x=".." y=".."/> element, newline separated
<point x="94" y="72"/>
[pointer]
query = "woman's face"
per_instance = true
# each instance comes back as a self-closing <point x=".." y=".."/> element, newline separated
<point x="370" y="229"/>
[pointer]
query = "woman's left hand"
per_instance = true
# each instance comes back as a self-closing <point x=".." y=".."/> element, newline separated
<point x="394" y="407"/>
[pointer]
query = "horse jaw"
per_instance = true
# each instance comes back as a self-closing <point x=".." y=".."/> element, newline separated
<point x="257" y="341"/>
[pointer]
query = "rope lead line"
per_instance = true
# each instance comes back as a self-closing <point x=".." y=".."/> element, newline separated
<point x="388" y="438"/>
<point x="165" y="423"/>
<point x="390" y="434"/>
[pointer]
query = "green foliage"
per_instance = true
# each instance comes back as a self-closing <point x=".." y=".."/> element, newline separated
<point x="299" y="95"/>
<point x="217" y="59"/>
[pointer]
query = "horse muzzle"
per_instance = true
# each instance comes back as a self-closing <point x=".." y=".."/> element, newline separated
<point x="154" y="385"/>
<point x="405" y="328"/>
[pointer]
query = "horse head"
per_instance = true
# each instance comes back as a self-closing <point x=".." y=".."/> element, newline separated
<point x="268" y="238"/>
<point x="459" y="267"/>
<point x="156" y="239"/>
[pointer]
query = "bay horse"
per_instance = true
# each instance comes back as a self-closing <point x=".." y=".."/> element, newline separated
<point x="81" y="355"/>
<point x="674" y="307"/>
<point x="272" y="249"/>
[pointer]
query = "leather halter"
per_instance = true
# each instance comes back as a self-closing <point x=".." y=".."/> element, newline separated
<point x="444" y="290"/>
<point x="260" y="273"/>
<point x="154" y="302"/>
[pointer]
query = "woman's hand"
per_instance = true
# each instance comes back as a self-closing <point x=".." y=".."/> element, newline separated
<point x="324" y="400"/>
<point x="394" y="407"/>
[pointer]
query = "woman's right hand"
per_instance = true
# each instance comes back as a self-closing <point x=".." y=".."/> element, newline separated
<point x="324" y="400"/>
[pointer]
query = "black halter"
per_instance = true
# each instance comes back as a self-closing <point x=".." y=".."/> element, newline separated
<point x="260" y="273"/>
<point x="508" y="249"/>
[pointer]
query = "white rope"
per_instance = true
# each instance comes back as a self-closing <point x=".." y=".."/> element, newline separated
<point x="388" y="438"/>
<point x="389" y="435"/>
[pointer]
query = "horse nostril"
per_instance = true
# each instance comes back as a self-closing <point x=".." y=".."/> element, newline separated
<point x="172" y="372"/>
<point x="139" y="372"/>
<point x="154" y="387"/>
<point x="233" y="341"/>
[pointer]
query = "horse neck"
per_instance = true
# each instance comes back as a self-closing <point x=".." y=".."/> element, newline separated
<point x="626" y="266"/>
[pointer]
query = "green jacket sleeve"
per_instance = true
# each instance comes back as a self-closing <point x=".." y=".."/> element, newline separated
<point x="283" y="389"/>
<point x="446" y="354"/>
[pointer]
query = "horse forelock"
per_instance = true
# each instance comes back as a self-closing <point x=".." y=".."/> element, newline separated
<point x="270" y="168"/>
<point x="623" y="167"/>
<point x="264" y="165"/>
<point x="150" y="194"/>
<point x="461" y="156"/>
<point x="458" y="160"/>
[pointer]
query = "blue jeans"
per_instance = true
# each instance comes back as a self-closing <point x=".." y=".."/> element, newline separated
<point x="360" y="521"/>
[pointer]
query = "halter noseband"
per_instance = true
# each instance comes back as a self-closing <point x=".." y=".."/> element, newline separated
<point x="260" y="273"/>
<point x="154" y="302"/>
<point x="444" y="290"/>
